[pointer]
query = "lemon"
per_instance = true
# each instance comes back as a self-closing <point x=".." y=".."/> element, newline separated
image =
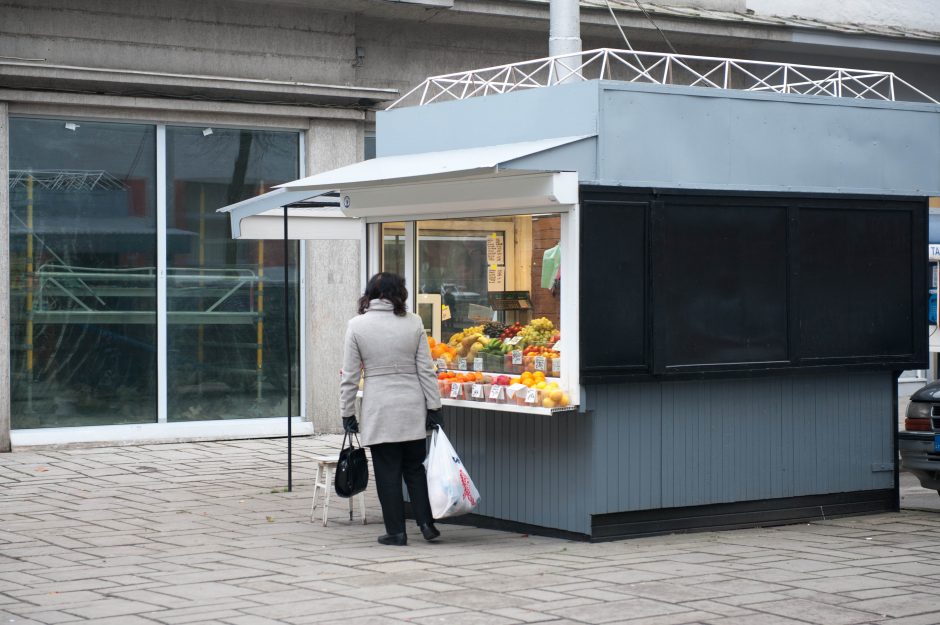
<point x="556" y="396"/>
<point x="548" y="403"/>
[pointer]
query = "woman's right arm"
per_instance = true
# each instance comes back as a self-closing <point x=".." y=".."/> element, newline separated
<point x="349" y="376"/>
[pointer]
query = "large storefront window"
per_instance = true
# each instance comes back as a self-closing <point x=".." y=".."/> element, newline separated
<point x="489" y="292"/>
<point x="82" y="273"/>
<point x="225" y="298"/>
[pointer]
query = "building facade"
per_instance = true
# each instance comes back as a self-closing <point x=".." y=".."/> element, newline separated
<point x="130" y="312"/>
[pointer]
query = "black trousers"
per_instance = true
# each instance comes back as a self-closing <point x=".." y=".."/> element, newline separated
<point x="391" y="463"/>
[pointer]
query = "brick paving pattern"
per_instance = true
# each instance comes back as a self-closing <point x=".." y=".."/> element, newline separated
<point x="202" y="533"/>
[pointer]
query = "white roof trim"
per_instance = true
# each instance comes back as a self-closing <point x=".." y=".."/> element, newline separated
<point x="425" y="166"/>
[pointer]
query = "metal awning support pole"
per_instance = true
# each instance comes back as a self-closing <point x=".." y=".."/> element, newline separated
<point x="287" y="343"/>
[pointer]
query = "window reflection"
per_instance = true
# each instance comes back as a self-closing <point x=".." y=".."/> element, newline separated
<point x="82" y="273"/>
<point x="226" y="350"/>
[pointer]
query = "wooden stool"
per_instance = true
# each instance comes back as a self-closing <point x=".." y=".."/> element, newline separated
<point x="326" y="468"/>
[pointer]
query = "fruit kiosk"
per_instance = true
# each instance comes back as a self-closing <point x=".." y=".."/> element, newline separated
<point x="691" y="342"/>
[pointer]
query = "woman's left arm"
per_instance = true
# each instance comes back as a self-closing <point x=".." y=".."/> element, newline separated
<point x="349" y="375"/>
<point x="425" y="368"/>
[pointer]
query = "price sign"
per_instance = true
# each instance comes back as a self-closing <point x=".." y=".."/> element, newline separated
<point x="455" y="388"/>
<point x="540" y="363"/>
<point x="556" y="366"/>
<point x="478" y="364"/>
<point x="462" y="364"/>
<point x="495" y="254"/>
<point x="497" y="392"/>
<point x="515" y="340"/>
<point x="517" y="357"/>
<point x="532" y="396"/>
<point x="441" y="363"/>
<point x="476" y="391"/>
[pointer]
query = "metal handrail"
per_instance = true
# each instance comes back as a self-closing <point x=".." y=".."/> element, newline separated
<point x="663" y="69"/>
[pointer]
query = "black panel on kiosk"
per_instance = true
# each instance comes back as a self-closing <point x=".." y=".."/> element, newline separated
<point x="855" y="283"/>
<point x="692" y="283"/>
<point x="721" y="276"/>
<point x="613" y="286"/>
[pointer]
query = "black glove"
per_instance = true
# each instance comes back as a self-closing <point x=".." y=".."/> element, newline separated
<point x="433" y="420"/>
<point x="350" y="425"/>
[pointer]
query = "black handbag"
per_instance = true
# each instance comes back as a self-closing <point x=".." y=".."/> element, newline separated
<point x="352" y="469"/>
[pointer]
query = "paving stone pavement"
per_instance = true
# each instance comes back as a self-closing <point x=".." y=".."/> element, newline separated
<point x="203" y="533"/>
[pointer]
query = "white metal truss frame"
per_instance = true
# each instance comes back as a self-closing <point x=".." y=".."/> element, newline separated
<point x="665" y="69"/>
<point x="65" y="180"/>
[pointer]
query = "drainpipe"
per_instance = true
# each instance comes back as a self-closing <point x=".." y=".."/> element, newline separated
<point x="564" y="37"/>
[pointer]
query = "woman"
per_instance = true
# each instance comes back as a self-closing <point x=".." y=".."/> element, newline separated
<point x="399" y="400"/>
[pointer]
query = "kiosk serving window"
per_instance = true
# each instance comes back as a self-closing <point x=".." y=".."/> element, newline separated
<point x="489" y="292"/>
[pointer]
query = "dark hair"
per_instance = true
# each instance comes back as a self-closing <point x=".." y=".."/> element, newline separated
<point x="387" y="286"/>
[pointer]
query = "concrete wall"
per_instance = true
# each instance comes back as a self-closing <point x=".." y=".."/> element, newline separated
<point x="316" y="41"/>
<point x="248" y="40"/>
<point x="913" y="14"/>
<point x="332" y="280"/>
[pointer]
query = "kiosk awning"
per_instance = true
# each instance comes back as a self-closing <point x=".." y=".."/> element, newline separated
<point x="490" y="179"/>
<point x="262" y="217"/>
<point x="496" y="179"/>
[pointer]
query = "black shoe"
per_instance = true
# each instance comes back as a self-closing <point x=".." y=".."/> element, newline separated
<point x="399" y="540"/>
<point x="429" y="531"/>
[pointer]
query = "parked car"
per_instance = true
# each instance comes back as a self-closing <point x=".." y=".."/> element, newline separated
<point x="920" y="439"/>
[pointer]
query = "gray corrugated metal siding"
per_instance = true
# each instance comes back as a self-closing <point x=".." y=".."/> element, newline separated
<point x="651" y="445"/>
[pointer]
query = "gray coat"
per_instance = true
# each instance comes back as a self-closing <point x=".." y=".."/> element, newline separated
<point x="400" y="385"/>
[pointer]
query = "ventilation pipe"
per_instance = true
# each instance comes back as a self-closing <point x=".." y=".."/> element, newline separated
<point x="564" y="37"/>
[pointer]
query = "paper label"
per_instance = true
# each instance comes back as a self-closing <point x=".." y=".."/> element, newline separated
<point x="540" y="363"/>
<point x="478" y="364"/>
<point x="455" y="388"/>
<point x="441" y="363"/>
<point x="462" y="364"/>
<point x="496" y="278"/>
<point x="497" y="392"/>
<point x="494" y="249"/>
<point x="556" y="366"/>
<point x="517" y="357"/>
<point x="445" y="312"/>
<point x="532" y="396"/>
<point x="476" y="391"/>
<point x="515" y="340"/>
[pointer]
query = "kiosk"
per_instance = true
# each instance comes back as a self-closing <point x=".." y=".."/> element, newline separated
<point x="706" y="349"/>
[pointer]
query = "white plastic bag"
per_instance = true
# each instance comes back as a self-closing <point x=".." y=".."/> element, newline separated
<point x="450" y="488"/>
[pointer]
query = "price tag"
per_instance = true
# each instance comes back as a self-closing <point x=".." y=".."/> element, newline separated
<point x="556" y="366"/>
<point x="462" y="364"/>
<point x="441" y="363"/>
<point x="517" y="357"/>
<point x="478" y="364"/>
<point x="497" y="392"/>
<point x="455" y="388"/>
<point x="540" y="363"/>
<point x="476" y="391"/>
<point x="515" y="340"/>
<point x="532" y="396"/>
